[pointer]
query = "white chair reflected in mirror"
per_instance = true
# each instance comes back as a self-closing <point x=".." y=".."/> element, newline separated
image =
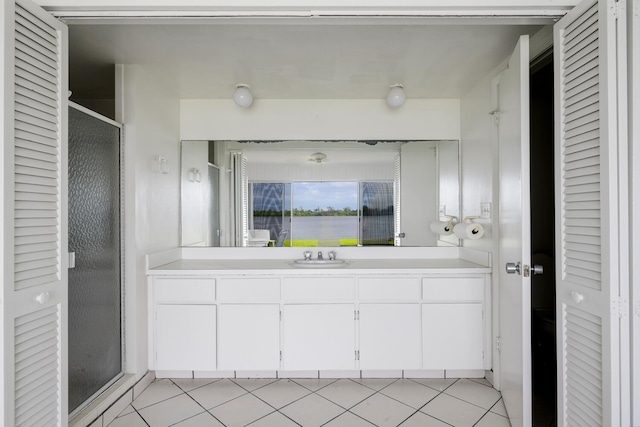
<point x="258" y="237"/>
<point x="281" y="237"/>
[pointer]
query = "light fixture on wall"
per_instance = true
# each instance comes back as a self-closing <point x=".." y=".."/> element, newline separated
<point x="317" y="157"/>
<point x="242" y="96"/>
<point x="163" y="166"/>
<point x="194" y="175"/>
<point x="396" y="96"/>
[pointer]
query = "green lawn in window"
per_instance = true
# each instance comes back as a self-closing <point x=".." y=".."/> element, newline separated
<point x="314" y="243"/>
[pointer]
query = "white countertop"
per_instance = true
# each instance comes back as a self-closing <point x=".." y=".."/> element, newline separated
<point x="283" y="266"/>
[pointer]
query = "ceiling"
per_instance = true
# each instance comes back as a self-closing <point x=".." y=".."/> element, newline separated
<point x="292" y="61"/>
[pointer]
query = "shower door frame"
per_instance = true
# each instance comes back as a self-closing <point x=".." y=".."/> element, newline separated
<point x="121" y="150"/>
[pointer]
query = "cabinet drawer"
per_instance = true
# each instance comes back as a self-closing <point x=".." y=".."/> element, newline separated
<point x="318" y="288"/>
<point x="453" y="289"/>
<point x="390" y="289"/>
<point x="185" y="290"/>
<point x="248" y="289"/>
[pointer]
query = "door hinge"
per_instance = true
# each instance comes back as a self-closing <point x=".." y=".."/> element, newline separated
<point x="356" y="315"/>
<point x="498" y="344"/>
<point x="357" y="354"/>
<point x="281" y="315"/>
<point x="281" y="355"/>
<point x="72" y="260"/>
<point x="619" y="308"/>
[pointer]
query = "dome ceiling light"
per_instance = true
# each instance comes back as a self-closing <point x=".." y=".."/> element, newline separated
<point x="242" y="96"/>
<point x="396" y="96"/>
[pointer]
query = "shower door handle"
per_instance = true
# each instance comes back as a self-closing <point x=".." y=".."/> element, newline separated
<point x="72" y="260"/>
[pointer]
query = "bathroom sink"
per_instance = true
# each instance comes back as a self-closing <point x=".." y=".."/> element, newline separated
<point x="319" y="263"/>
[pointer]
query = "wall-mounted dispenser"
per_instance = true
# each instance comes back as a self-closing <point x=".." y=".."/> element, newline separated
<point x="468" y="230"/>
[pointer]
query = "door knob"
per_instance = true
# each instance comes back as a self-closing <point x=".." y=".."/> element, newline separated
<point x="537" y="269"/>
<point x="513" y="268"/>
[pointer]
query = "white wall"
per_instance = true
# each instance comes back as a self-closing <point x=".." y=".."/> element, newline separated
<point x="634" y="141"/>
<point x="479" y="156"/>
<point x="195" y="190"/>
<point x="318" y="172"/>
<point x="332" y="119"/>
<point x="151" y="127"/>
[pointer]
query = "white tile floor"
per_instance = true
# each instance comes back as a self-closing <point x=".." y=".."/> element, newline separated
<point x="316" y="402"/>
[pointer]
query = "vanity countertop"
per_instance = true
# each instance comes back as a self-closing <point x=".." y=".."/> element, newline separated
<point x="284" y="266"/>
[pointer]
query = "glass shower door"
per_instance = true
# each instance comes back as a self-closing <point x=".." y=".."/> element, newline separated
<point x="95" y="343"/>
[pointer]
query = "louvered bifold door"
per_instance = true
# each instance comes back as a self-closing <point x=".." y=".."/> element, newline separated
<point x="587" y="215"/>
<point x="34" y="151"/>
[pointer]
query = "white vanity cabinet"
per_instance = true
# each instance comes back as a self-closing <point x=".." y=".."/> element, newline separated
<point x="318" y="337"/>
<point x="318" y="323"/>
<point x="288" y="320"/>
<point x="249" y="323"/>
<point x="249" y="337"/>
<point x="390" y="322"/>
<point x="453" y="324"/>
<point x="185" y="324"/>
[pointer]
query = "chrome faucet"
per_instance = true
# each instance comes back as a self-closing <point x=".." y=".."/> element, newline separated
<point x="332" y="255"/>
<point x="320" y="255"/>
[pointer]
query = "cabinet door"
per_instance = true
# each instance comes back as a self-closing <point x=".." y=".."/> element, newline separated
<point x="185" y="337"/>
<point x="452" y="336"/>
<point x="390" y="336"/>
<point x="319" y="336"/>
<point x="249" y="337"/>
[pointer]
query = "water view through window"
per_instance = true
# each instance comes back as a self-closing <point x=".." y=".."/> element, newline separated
<point x="323" y="213"/>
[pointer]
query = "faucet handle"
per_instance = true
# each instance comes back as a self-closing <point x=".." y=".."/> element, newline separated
<point x="332" y="255"/>
<point x="307" y="254"/>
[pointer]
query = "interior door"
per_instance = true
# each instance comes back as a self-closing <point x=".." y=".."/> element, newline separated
<point x="34" y="216"/>
<point x="515" y="238"/>
<point x="590" y="164"/>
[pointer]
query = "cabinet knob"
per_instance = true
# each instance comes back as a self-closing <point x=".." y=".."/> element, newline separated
<point x="577" y="297"/>
<point x="42" y="298"/>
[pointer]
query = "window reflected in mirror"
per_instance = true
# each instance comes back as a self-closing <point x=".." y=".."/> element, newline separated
<point x="328" y="213"/>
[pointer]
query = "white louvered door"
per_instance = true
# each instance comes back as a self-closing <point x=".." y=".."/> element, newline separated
<point x="34" y="238"/>
<point x="587" y="215"/>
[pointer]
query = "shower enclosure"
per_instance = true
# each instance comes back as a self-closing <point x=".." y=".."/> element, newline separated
<point x="95" y="338"/>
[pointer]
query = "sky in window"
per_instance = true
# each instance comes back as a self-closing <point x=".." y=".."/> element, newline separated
<point x="312" y="195"/>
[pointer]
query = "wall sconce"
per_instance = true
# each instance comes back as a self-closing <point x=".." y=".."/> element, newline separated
<point x="396" y="96"/>
<point x="242" y="96"/>
<point x="163" y="166"/>
<point x="194" y="175"/>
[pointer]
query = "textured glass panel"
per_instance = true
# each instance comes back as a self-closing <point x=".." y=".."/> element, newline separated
<point x="268" y="207"/>
<point x="95" y="355"/>
<point x="377" y="213"/>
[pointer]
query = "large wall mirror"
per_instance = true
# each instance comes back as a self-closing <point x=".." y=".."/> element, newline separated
<point x="318" y="193"/>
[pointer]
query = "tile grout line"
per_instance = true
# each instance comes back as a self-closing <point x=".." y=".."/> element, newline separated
<point x="200" y="405"/>
<point x="310" y="392"/>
